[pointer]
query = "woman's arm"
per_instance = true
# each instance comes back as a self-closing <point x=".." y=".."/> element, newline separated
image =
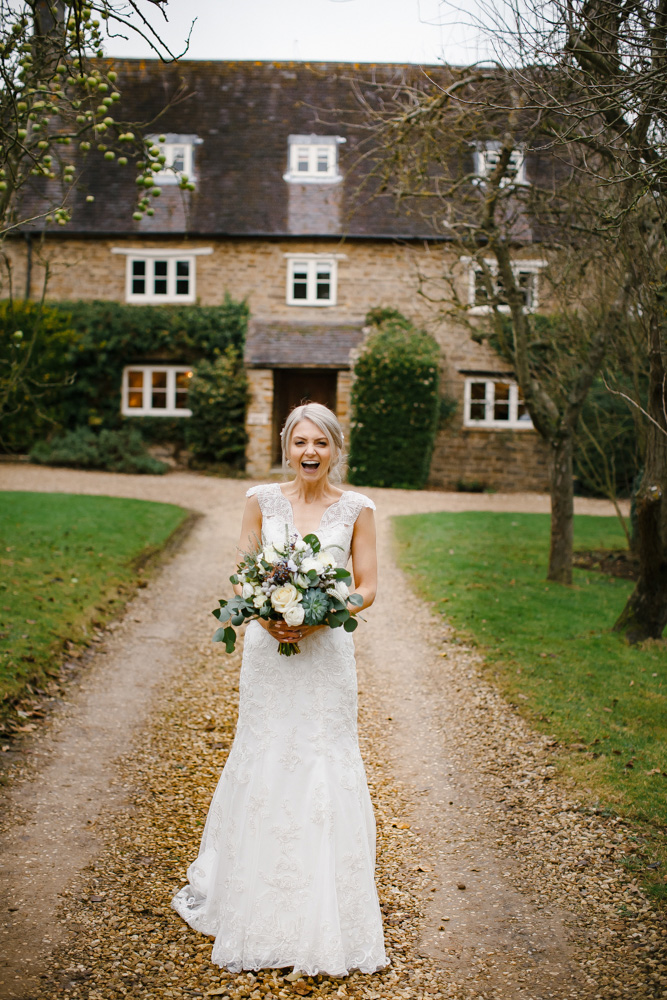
<point x="364" y="559"/>
<point x="251" y="532"/>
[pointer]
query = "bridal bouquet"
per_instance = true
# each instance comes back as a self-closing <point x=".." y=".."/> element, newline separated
<point x="298" y="581"/>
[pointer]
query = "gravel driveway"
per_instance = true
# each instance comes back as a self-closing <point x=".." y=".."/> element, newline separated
<point x="495" y="880"/>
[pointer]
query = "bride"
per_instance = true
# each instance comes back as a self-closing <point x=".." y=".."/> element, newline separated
<point x="285" y="873"/>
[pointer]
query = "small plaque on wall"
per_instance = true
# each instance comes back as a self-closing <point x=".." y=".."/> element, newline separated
<point x="255" y="419"/>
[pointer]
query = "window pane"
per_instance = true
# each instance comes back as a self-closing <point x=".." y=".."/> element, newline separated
<point x="135" y="395"/>
<point x="178" y="158"/>
<point x="323" y="290"/>
<point x="481" y="294"/>
<point x="160" y="268"/>
<point x="322" y="159"/>
<point x="182" y="386"/>
<point x="138" y="277"/>
<point x="302" y="159"/>
<point x="478" y="400"/>
<point x="159" y="391"/>
<point x="300" y="284"/>
<point x="501" y="402"/>
<point x="182" y="277"/>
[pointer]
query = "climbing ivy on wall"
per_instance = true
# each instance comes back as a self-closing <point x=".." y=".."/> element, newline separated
<point x="96" y="340"/>
<point x="394" y="404"/>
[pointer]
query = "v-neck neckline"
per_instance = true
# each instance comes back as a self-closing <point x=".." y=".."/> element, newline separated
<point x="291" y="507"/>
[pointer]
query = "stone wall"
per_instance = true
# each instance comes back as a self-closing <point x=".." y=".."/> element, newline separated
<point x="466" y="458"/>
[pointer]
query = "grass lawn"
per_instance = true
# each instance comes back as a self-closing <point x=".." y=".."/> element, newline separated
<point x="69" y="563"/>
<point x="551" y="650"/>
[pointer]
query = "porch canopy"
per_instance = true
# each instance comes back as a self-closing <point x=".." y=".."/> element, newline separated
<point x="301" y="345"/>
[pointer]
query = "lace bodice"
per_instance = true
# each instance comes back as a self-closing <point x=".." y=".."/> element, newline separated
<point x="336" y="525"/>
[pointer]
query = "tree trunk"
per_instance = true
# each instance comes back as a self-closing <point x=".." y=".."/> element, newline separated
<point x="645" y="614"/>
<point x="562" y="510"/>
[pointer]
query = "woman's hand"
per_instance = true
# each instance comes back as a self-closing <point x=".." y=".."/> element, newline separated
<point x="282" y="632"/>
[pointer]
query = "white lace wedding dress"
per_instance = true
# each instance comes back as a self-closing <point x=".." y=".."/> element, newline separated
<point x="285" y="873"/>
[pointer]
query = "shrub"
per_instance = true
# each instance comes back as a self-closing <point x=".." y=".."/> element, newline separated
<point x="394" y="404"/>
<point x="115" y="451"/>
<point x="215" y="433"/>
<point x="35" y="344"/>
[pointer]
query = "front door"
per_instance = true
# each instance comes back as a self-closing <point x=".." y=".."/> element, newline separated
<point x="294" y="386"/>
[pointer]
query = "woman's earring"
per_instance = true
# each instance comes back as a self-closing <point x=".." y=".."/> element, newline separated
<point x="287" y="461"/>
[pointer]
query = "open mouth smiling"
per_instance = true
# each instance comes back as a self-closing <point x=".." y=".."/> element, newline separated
<point x="312" y="466"/>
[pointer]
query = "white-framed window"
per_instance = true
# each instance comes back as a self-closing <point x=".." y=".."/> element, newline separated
<point x="178" y="151"/>
<point x="486" y="161"/>
<point x="313" y="159"/>
<point x="156" y="391"/>
<point x="491" y="401"/>
<point x="311" y="280"/>
<point x="526" y="274"/>
<point x="160" y="279"/>
<point x="155" y="275"/>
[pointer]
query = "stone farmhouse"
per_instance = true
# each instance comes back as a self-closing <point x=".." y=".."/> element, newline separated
<point x="280" y="216"/>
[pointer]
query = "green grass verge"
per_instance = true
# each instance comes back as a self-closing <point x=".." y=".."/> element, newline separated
<point x="551" y="651"/>
<point x="69" y="563"/>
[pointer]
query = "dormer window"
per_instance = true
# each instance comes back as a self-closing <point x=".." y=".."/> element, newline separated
<point x="178" y="151"/>
<point x="486" y="161"/>
<point x="313" y="159"/>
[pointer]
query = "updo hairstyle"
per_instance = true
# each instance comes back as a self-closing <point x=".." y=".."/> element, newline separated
<point x="327" y="421"/>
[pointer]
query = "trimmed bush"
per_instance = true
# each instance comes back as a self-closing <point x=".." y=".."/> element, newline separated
<point x="114" y="451"/>
<point x="218" y="395"/>
<point x="395" y="404"/>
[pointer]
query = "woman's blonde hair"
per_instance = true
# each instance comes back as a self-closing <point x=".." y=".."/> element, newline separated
<point x="327" y="421"/>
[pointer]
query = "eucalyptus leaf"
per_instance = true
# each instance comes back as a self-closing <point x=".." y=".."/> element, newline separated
<point x="341" y="574"/>
<point x="219" y="635"/>
<point x="313" y="541"/>
<point x="350" y="624"/>
<point x="356" y="599"/>
<point x="238" y="619"/>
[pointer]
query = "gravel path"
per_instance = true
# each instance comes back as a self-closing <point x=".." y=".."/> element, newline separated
<point x="106" y="804"/>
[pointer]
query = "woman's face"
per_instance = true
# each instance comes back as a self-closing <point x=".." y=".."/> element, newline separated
<point x="309" y="452"/>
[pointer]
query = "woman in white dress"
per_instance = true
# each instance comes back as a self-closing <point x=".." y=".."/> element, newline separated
<point x="285" y="872"/>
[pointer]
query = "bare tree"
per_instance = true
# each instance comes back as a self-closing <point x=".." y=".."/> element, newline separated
<point x="452" y="147"/>
<point x="595" y="71"/>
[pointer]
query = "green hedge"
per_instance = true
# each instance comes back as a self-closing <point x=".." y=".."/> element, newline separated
<point x="395" y="404"/>
<point x="89" y="343"/>
<point x="218" y="396"/>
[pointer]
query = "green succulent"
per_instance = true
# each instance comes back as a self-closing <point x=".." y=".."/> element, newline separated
<point x="315" y="606"/>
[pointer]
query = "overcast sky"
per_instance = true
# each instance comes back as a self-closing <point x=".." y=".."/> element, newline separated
<point x="420" y="31"/>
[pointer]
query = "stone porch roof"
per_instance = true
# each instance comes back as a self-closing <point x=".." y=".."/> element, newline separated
<point x="301" y="345"/>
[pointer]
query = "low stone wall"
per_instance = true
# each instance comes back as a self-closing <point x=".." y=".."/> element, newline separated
<point x="473" y="460"/>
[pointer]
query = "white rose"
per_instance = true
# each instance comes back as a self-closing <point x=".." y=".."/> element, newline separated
<point x="302" y="581"/>
<point x="259" y="600"/>
<point x="327" y="559"/>
<point x="300" y="545"/>
<point x="294" y="615"/>
<point x="248" y="591"/>
<point x="270" y="555"/>
<point x="339" y="590"/>
<point x="285" y="597"/>
<point x="310" y="563"/>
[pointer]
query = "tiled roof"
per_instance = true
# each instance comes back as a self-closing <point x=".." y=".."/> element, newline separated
<point x="300" y="345"/>
<point x="242" y="114"/>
